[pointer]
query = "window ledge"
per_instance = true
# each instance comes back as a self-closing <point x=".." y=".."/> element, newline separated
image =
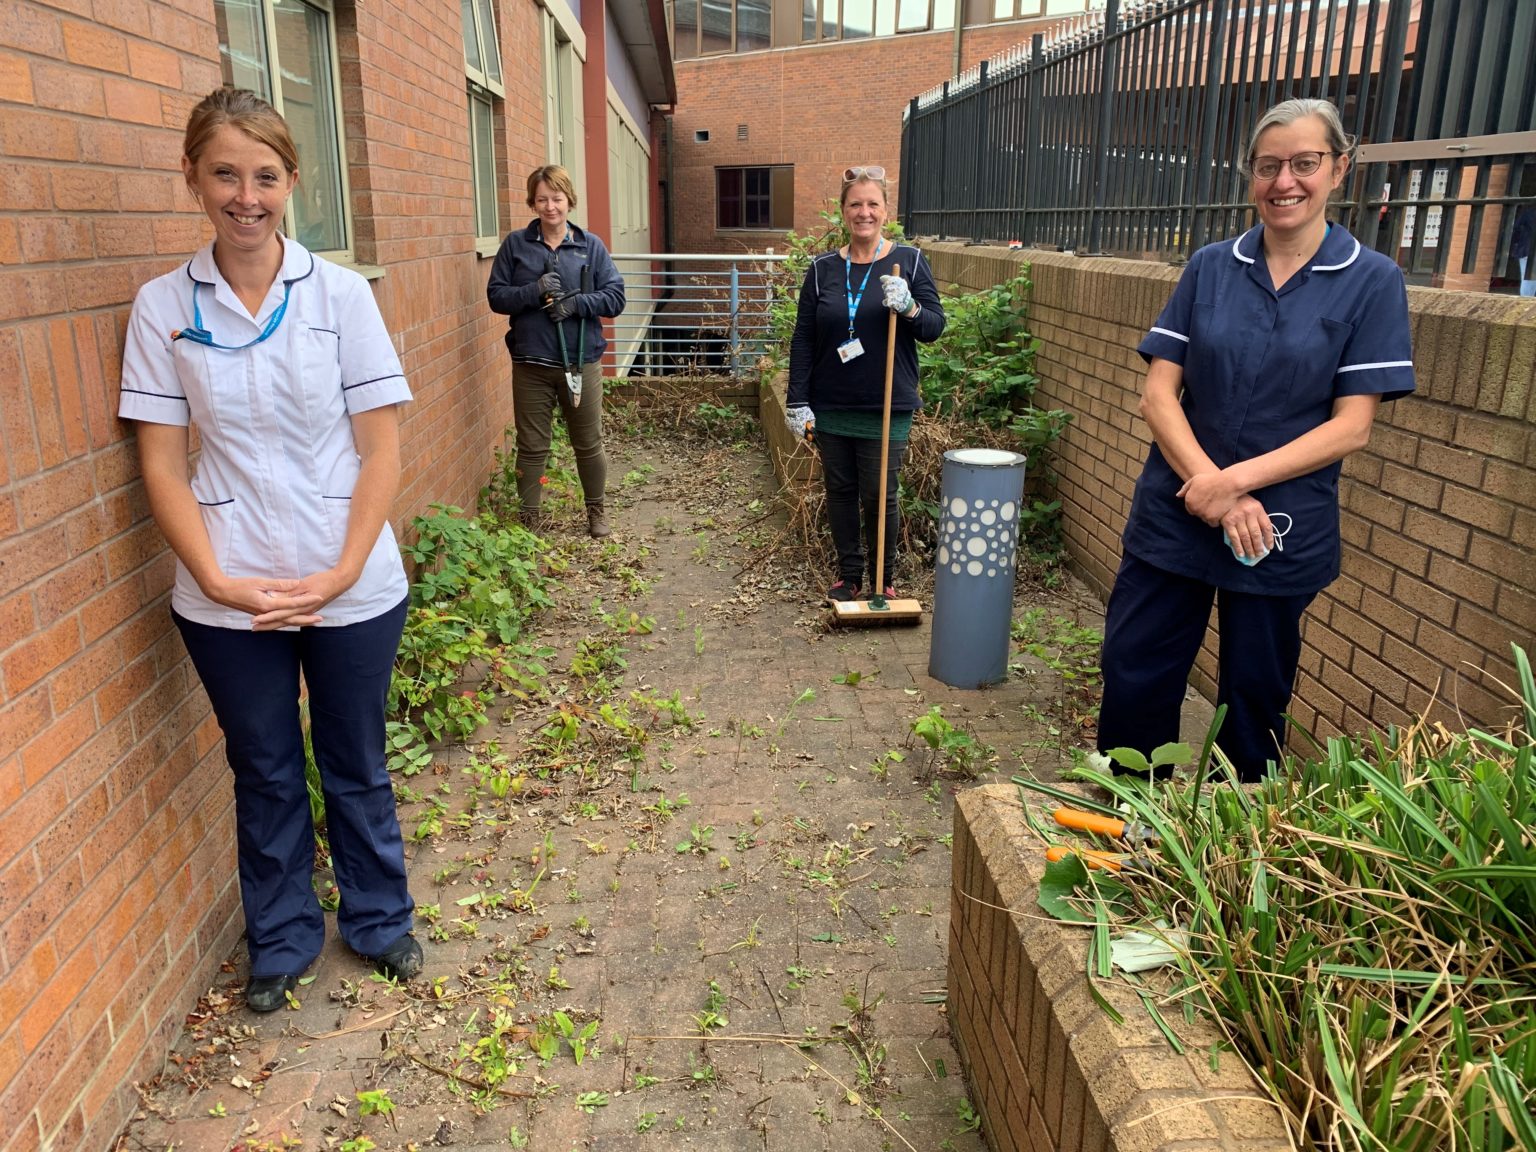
<point x="487" y="246"/>
<point x="366" y="271"/>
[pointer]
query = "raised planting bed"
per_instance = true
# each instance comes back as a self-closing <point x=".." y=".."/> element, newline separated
<point x="1050" y="1070"/>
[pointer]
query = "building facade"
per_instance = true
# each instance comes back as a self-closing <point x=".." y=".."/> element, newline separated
<point x="416" y="126"/>
<point x="777" y="97"/>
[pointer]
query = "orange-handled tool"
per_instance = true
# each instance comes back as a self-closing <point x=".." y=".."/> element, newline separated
<point x="1109" y="826"/>
<point x="1092" y="857"/>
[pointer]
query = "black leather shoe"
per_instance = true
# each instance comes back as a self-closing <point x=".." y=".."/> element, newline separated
<point x="269" y="993"/>
<point x="402" y="960"/>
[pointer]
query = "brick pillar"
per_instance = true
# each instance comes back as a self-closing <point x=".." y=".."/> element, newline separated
<point x="594" y="96"/>
<point x="1460" y="222"/>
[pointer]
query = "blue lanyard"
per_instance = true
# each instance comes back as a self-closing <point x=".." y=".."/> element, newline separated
<point x="200" y="335"/>
<point x="853" y="301"/>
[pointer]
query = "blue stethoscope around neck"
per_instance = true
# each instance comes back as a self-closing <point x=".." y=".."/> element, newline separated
<point x="200" y="335"/>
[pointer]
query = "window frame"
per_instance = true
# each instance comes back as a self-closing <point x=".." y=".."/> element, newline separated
<point x="884" y="20"/>
<point x="696" y="50"/>
<point x="346" y="254"/>
<point x="483" y="89"/>
<point x="746" y="196"/>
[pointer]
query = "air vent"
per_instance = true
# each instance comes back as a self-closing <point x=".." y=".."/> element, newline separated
<point x="741" y="131"/>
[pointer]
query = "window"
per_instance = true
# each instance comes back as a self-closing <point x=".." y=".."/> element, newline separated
<point x="285" y="50"/>
<point x="559" y="97"/>
<point x="859" y="19"/>
<point x="482" y="67"/>
<point x="1017" y="9"/>
<point x="712" y="27"/>
<point x="755" y="198"/>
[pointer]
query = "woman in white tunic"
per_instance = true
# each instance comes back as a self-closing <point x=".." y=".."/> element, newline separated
<point x="285" y="559"/>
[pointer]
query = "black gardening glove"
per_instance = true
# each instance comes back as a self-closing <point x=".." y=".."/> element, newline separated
<point x="550" y="285"/>
<point x="562" y="308"/>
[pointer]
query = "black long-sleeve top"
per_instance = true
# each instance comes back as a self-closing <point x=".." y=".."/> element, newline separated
<point x="818" y="377"/>
<point x="513" y="290"/>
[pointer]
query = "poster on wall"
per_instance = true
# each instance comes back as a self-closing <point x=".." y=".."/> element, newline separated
<point x="1438" y="183"/>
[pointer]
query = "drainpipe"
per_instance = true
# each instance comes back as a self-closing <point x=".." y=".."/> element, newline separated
<point x="667" y="207"/>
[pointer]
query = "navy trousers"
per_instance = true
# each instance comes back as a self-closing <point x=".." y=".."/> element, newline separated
<point x="252" y="679"/>
<point x="850" y="466"/>
<point x="1152" y="632"/>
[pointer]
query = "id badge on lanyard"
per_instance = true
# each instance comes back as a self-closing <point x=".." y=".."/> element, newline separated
<point x="852" y="348"/>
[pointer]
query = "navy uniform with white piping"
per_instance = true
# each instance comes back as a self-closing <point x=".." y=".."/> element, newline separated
<point x="1260" y="368"/>
<point x="274" y="483"/>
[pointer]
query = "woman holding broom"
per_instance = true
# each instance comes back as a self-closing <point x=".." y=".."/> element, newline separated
<point x="837" y="372"/>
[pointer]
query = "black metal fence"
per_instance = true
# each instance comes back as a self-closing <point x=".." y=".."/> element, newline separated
<point x="1122" y="131"/>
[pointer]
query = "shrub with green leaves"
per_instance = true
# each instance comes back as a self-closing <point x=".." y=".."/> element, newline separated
<point x="477" y="582"/>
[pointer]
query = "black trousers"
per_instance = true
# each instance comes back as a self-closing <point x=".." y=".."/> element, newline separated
<point x="252" y="680"/>
<point x="1152" y="632"/>
<point x="850" y="467"/>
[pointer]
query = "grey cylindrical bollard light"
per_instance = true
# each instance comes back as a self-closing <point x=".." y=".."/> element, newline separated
<point x="973" y="587"/>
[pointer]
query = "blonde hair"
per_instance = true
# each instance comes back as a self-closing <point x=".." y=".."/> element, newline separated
<point x="842" y="196"/>
<point x="242" y="109"/>
<point x="558" y="179"/>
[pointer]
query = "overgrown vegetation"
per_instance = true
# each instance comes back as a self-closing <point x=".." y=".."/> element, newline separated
<point x="477" y="580"/>
<point x="1362" y="927"/>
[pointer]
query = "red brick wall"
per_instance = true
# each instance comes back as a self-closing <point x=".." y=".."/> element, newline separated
<point x="1438" y="512"/>
<point x="820" y="108"/>
<point x="117" y="888"/>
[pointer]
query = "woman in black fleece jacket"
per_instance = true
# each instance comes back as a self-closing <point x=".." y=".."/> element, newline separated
<point x="837" y="371"/>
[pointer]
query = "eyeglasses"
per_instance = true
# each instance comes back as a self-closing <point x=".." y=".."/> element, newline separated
<point x="865" y="172"/>
<point x="1302" y="164"/>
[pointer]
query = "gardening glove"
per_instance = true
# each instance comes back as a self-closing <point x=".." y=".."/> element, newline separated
<point x="550" y="285"/>
<point x="898" y="296"/>
<point x="801" y="422"/>
<point x="562" y="308"/>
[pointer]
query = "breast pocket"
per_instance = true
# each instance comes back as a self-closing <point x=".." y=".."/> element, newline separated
<point x="319" y="358"/>
<point x="1314" y="383"/>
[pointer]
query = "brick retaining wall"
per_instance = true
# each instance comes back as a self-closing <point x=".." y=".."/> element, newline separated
<point x="1049" y="1070"/>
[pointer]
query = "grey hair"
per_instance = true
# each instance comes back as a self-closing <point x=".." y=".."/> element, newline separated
<point x="1290" y="111"/>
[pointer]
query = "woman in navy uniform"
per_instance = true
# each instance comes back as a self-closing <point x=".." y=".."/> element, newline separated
<point x="1265" y="370"/>
<point x="285" y="559"/>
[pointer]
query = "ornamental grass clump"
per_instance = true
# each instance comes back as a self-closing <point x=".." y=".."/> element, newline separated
<point x="1363" y="929"/>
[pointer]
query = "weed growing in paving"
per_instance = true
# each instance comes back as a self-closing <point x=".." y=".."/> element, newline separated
<point x="957" y="749"/>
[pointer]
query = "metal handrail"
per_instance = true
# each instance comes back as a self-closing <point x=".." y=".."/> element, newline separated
<point x="694" y="313"/>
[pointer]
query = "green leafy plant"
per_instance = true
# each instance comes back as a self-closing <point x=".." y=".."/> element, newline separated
<point x="698" y="842"/>
<point x="375" y="1102"/>
<point x="956" y="748"/>
<point x="477" y="582"/>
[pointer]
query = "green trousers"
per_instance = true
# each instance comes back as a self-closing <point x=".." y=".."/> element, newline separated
<point x="537" y="390"/>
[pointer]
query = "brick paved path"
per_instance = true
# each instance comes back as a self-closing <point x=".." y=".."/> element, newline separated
<point x="799" y="894"/>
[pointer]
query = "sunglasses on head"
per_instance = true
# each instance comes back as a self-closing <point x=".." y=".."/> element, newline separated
<point x="865" y="172"/>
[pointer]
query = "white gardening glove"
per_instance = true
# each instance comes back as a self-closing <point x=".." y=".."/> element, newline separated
<point x="800" y="421"/>
<point x="898" y="296"/>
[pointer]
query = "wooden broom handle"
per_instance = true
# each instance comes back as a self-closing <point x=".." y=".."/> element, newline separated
<point x="885" y="445"/>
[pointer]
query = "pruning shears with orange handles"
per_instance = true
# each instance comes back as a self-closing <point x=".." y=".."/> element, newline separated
<point x="1116" y="829"/>
<point x="1092" y="857"/>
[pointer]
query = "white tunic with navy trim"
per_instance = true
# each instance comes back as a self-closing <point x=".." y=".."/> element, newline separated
<point x="278" y="461"/>
<point x="1260" y="369"/>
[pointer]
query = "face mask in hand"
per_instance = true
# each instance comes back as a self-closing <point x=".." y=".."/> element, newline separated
<point x="1279" y="532"/>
